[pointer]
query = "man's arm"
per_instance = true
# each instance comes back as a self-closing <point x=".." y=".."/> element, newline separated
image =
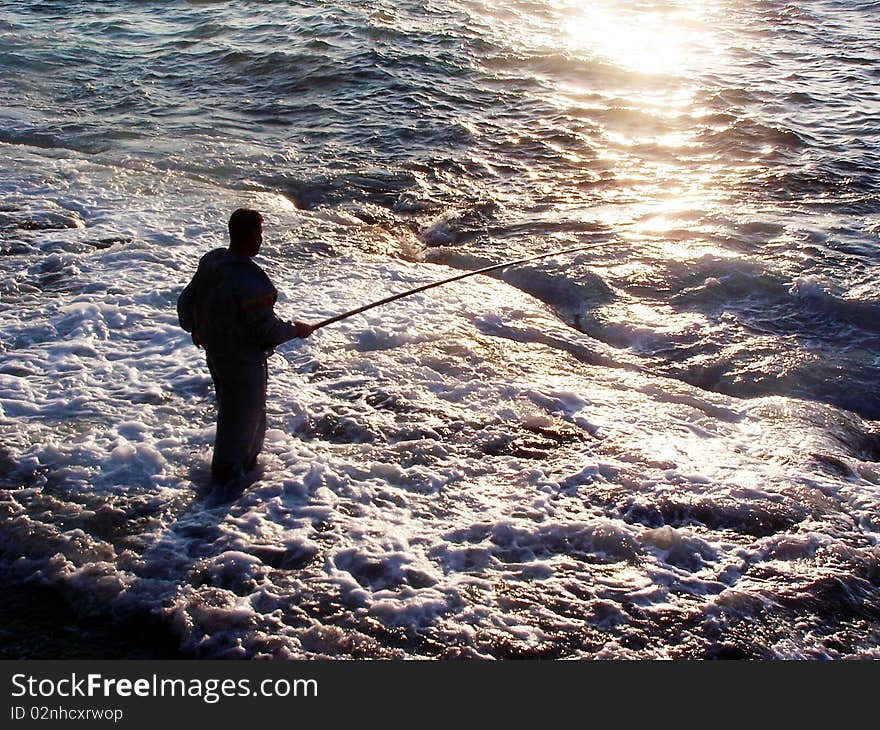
<point x="265" y="328"/>
<point x="186" y="310"/>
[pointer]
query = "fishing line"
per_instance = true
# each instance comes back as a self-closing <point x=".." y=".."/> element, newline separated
<point x="457" y="277"/>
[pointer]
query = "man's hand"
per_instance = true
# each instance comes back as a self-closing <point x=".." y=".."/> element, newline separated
<point x="196" y="341"/>
<point x="303" y="329"/>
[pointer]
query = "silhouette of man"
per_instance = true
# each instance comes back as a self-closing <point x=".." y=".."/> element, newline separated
<point x="228" y="308"/>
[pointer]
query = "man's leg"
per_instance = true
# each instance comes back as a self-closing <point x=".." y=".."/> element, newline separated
<point x="221" y="470"/>
<point x="260" y="432"/>
<point x="241" y="387"/>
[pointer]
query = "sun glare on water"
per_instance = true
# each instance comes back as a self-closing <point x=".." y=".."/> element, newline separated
<point x="647" y="38"/>
<point x="648" y="108"/>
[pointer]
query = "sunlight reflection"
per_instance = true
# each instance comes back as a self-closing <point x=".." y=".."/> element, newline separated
<point x="646" y="39"/>
<point x="649" y="130"/>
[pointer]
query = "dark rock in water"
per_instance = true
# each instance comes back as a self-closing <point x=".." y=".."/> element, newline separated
<point x="17" y="371"/>
<point x="418" y="579"/>
<point x="759" y="519"/>
<point x="337" y="429"/>
<point x="383" y="400"/>
<point x="7" y="465"/>
<point x="103" y="243"/>
<point x="644" y="514"/>
<point x="271" y="555"/>
<point x="40" y="220"/>
<point x="561" y="290"/>
<point x="408" y="202"/>
<point x="298" y="557"/>
<point x="725" y="651"/>
<point x="382" y="573"/>
<point x="869" y="448"/>
<point x="322" y="526"/>
<point x="291" y="558"/>
<point x="836" y="466"/>
<point x="378" y="187"/>
<point x="14" y="248"/>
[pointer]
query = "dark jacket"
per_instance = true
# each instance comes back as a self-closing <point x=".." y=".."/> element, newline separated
<point x="229" y="306"/>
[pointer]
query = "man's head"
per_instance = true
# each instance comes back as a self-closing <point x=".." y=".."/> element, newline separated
<point x="245" y="232"/>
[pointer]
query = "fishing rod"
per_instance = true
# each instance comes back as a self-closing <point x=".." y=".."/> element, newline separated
<point x="457" y="277"/>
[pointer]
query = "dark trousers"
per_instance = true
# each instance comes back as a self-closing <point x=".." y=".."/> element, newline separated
<point x="240" y="387"/>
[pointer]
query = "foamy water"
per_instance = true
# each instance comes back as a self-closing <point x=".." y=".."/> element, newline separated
<point x="663" y="446"/>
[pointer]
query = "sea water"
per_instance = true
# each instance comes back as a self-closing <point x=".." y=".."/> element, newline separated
<point x="665" y="445"/>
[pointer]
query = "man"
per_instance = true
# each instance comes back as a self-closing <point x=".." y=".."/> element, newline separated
<point x="228" y="307"/>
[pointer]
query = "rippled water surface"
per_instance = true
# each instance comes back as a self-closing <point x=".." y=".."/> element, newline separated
<point x="665" y="445"/>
